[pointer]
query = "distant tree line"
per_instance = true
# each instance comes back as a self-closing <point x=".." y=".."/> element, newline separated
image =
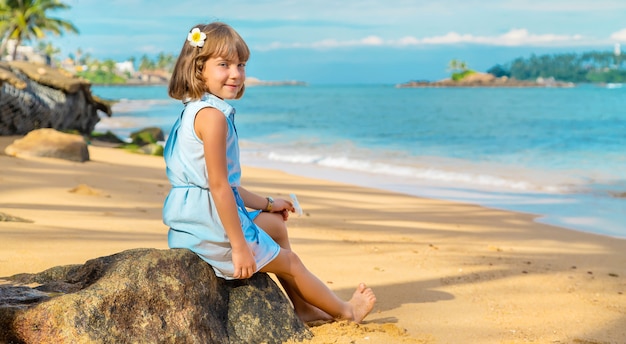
<point x="594" y="67"/>
<point x="104" y="72"/>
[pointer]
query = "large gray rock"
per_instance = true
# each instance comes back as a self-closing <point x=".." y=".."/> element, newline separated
<point x="145" y="296"/>
<point x="50" y="143"/>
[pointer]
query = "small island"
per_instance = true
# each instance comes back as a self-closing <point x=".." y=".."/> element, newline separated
<point x="477" y="79"/>
<point x="462" y="76"/>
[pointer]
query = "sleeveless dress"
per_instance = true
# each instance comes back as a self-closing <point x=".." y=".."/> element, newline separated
<point x="189" y="209"/>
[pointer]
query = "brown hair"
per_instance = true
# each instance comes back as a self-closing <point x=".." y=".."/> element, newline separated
<point x="221" y="41"/>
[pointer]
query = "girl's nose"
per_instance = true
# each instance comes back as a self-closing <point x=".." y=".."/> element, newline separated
<point x="236" y="72"/>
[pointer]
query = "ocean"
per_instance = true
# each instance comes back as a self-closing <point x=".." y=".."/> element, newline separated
<point x="558" y="153"/>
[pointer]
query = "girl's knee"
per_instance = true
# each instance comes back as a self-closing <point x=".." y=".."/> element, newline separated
<point x="293" y="257"/>
<point x="289" y="261"/>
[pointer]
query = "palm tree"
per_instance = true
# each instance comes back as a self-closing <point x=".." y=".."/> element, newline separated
<point x="145" y="63"/>
<point x="49" y="50"/>
<point x="22" y="20"/>
<point x="457" y="65"/>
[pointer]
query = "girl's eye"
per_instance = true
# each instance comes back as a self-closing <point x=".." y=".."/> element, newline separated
<point x="242" y="65"/>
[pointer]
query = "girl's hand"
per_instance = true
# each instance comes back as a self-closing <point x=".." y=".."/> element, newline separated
<point x="244" y="263"/>
<point x="283" y="207"/>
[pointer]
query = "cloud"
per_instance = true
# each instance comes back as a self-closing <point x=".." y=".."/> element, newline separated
<point x="514" y="37"/>
<point x="561" y="6"/>
<point x="619" y="36"/>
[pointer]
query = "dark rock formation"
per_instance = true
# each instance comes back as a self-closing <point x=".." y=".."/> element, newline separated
<point x="36" y="96"/>
<point x="50" y="143"/>
<point x="145" y="296"/>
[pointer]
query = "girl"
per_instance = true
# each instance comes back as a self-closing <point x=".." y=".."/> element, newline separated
<point x="206" y="208"/>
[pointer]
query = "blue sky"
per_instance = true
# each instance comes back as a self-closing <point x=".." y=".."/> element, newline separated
<point x="352" y="41"/>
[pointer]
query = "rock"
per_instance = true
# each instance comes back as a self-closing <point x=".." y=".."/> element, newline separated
<point x="147" y="135"/>
<point x="34" y="96"/>
<point x="50" y="143"/>
<point x="108" y="138"/>
<point x="145" y="141"/>
<point x="151" y="149"/>
<point x="618" y="194"/>
<point x="145" y="296"/>
<point x="478" y="79"/>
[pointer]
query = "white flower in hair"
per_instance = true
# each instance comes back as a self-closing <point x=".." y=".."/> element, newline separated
<point x="196" y="38"/>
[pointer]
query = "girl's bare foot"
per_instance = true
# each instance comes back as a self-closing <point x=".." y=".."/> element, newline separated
<point x="362" y="302"/>
<point x="309" y="313"/>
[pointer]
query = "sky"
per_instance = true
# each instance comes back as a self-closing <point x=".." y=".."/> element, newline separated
<point x="351" y="41"/>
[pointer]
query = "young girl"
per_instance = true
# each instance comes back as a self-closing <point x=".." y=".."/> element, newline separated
<point x="206" y="208"/>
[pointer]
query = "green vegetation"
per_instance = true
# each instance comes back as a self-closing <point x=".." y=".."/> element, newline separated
<point x="596" y="67"/>
<point x="23" y="20"/>
<point x="104" y="72"/>
<point x="144" y="141"/>
<point x="459" y="69"/>
<point x="162" y="62"/>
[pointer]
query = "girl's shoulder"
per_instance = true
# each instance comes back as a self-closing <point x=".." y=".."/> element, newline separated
<point x="208" y="100"/>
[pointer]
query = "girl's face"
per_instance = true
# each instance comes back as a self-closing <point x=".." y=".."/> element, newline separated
<point x="224" y="78"/>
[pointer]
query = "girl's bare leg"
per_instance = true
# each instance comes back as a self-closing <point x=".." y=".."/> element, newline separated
<point x="289" y="267"/>
<point x="274" y="225"/>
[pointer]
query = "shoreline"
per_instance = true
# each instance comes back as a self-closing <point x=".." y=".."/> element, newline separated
<point x="560" y="209"/>
<point x="443" y="272"/>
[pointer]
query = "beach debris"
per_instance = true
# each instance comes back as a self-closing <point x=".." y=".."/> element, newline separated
<point x="146" y="296"/>
<point x="495" y="248"/>
<point x="49" y="143"/>
<point x="84" y="189"/>
<point x="341" y="332"/>
<point x="4" y="217"/>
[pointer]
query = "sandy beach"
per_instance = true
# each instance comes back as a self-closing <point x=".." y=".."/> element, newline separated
<point x="443" y="272"/>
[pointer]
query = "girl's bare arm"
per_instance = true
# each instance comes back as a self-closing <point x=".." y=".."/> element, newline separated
<point x="211" y="127"/>
<point x="255" y="201"/>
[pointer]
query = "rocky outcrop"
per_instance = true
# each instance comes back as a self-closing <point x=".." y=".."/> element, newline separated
<point x="49" y="143"/>
<point x="145" y="296"/>
<point x="36" y="96"/>
<point x="486" y="80"/>
<point x="250" y="81"/>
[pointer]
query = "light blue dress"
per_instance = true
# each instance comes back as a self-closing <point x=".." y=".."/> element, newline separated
<point x="189" y="209"/>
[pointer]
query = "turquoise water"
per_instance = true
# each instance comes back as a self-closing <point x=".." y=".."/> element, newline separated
<point x="556" y="152"/>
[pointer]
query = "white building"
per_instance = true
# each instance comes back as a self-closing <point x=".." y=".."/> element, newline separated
<point x="23" y="53"/>
<point x="125" y="67"/>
